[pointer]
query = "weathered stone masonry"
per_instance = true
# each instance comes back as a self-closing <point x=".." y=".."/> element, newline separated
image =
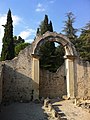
<point x="83" y="79"/>
<point x="22" y="79"/>
<point x="53" y="84"/>
<point x="17" y="81"/>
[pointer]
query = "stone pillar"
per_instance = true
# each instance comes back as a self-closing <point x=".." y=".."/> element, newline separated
<point x="35" y="77"/>
<point x="70" y="75"/>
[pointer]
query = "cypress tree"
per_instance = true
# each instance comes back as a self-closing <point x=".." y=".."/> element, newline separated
<point x="46" y="51"/>
<point x="37" y="33"/>
<point x="44" y="27"/>
<point x="50" y="56"/>
<point x="50" y="26"/>
<point x="8" y="42"/>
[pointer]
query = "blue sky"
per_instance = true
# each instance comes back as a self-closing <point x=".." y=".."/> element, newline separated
<point x="27" y="15"/>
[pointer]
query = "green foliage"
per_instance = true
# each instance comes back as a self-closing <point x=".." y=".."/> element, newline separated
<point x="46" y="51"/>
<point x="18" y="40"/>
<point x="50" y="27"/>
<point x="87" y="27"/>
<point x="51" y="57"/>
<point x="19" y="44"/>
<point x="69" y="30"/>
<point x="83" y="45"/>
<point x="37" y="33"/>
<point x="45" y="26"/>
<point x="8" y="43"/>
<point x="59" y="53"/>
<point x="20" y="47"/>
<point x="47" y="56"/>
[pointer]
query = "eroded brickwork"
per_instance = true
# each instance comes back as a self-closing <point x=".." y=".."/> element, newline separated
<point x="83" y="78"/>
<point x="53" y="84"/>
<point x="17" y="81"/>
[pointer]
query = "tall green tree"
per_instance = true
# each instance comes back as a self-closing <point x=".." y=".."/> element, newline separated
<point x="8" y="42"/>
<point x="59" y="53"/>
<point x="50" y="26"/>
<point x="87" y="27"/>
<point x="18" y="40"/>
<point x="83" y="43"/>
<point x="45" y="26"/>
<point x="69" y="30"/>
<point x="47" y="58"/>
<point x="46" y="51"/>
<point x="51" y="57"/>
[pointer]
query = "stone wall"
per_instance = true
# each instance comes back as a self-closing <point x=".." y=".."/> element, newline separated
<point x="1" y="69"/>
<point x="83" y="79"/>
<point x="17" y="81"/>
<point x="52" y="84"/>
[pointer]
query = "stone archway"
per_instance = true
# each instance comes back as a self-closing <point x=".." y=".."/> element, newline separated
<point x="70" y="57"/>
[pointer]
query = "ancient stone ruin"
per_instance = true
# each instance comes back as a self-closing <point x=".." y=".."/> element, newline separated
<point x="21" y="79"/>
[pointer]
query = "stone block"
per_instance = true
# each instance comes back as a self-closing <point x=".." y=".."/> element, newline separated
<point x="50" y="107"/>
<point x="46" y="102"/>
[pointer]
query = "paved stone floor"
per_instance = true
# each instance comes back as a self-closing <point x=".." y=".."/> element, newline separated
<point x="22" y="111"/>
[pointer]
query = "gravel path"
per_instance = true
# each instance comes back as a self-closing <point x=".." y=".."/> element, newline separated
<point x="22" y="111"/>
<point x="71" y="111"/>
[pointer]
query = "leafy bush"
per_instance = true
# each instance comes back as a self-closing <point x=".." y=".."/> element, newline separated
<point x="20" y="47"/>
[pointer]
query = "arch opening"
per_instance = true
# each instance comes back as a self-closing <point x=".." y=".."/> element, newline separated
<point x="70" y="55"/>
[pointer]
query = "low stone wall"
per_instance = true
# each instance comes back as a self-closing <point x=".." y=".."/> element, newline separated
<point x="17" y="81"/>
<point x="1" y="71"/>
<point x="83" y="79"/>
<point x="52" y="84"/>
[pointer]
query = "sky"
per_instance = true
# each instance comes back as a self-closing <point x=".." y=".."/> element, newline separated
<point x="28" y="14"/>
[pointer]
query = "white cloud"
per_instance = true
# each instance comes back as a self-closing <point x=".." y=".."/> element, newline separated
<point x="40" y="8"/>
<point x="29" y="40"/>
<point x="39" y="5"/>
<point x="3" y="18"/>
<point x="2" y="22"/>
<point x="27" y="33"/>
<point x="16" y="20"/>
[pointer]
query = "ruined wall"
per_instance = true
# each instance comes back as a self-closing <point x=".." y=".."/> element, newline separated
<point x="52" y="84"/>
<point x="83" y="79"/>
<point x="1" y="69"/>
<point x="17" y="81"/>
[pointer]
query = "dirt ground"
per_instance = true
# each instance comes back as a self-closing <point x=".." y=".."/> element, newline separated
<point x="70" y="111"/>
<point x="33" y="111"/>
<point x="22" y="111"/>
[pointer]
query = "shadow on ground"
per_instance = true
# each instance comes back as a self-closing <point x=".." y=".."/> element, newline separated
<point x="22" y="111"/>
<point x="57" y="108"/>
